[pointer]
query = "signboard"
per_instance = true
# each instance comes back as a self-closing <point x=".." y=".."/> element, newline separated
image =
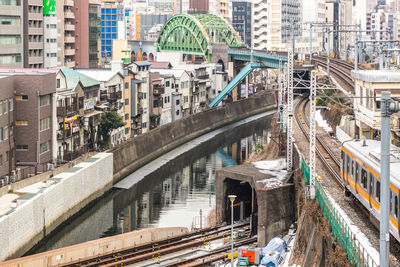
<point x="243" y="90"/>
<point x="89" y="104"/>
<point x="251" y="88"/>
<point x="70" y="119"/>
<point x="49" y="7"/>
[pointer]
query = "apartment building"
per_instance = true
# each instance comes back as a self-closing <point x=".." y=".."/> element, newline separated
<point x="33" y="34"/>
<point x="34" y="115"/>
<point x="66" y="33"/>
<point x="87" y="29"/>
<point x="242" y="19"/>
<point x="11" y="34"/>
<point x="50" y="48"/>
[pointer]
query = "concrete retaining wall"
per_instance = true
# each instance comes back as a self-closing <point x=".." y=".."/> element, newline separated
<point x="41" y="212"/>
<point x="43" y="176"/>
<point x="142" y="149"/>
<point x="97" y="247"/>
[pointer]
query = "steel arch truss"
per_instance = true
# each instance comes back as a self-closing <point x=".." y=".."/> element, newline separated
<point x="192" y="34"/>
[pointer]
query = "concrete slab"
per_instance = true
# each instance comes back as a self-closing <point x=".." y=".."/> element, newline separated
<point x="36" y="188"/>
<point x="149" y="168"/>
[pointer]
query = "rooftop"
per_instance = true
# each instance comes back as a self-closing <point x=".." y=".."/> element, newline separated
<point x="175" y="72"/>
<point x="142" y="63"/>
<point x="161" y="65"/>
<point x="26" y="71"/>
<point x="101" y="75"/>
<point x="74" y="77"/>
<point x="378" y="76"/>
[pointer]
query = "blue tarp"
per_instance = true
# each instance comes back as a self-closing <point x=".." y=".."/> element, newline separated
<point x="272" y="253"/>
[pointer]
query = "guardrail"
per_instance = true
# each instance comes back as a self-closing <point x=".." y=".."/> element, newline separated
<point x="344" y="235"/>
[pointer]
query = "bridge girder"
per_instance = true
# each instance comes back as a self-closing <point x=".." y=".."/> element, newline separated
<point x="193" y="33"/>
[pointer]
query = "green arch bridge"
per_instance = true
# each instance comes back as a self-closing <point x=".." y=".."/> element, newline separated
<point x="194" y="33"/>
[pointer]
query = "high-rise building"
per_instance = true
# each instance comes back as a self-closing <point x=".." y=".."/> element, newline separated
<point x="199" y="6"/>
<point x="66" y="33"/>
<point x="87" y="29"/>
<point x="241" y="19"/>
<point x="33" y="34"/>
<point x="11" y="34"/>
<point x="50" y="48"/>
<point x="112" y="26"/>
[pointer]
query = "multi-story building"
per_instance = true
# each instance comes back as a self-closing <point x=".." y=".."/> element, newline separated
<point x="157" y="88"/>
<point x="181" y="6"/>
<point x="111" y="95"/>
<point x="275" y="23"/>
<point x="77" y="120"/>
<point x="198" y="6"/>
<point x="241" y="19"/>
<point x="112" y="26"/>
<point x="87" y="29"/>
<point x="33" y="34"/>
<point x="11" y="34"/>
<point x="66" y="33"/>
<point x="50" y="48"/>
<point x="34" y="116"/>
<point x="7" y="124"/>
<point x="142" y="114"/>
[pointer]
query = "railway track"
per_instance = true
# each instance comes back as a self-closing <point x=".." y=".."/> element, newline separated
<point x="149" y="251"/>
<point x="327" y="156"/>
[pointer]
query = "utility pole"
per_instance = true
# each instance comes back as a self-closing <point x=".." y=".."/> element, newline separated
<point x="380" y="57"/>
<point x="313" y="98"/>
<point x="387" y="108"/>
<point x="290" y="111"/>
<point x="311" y="43"/>
<point x="328" y="52"/>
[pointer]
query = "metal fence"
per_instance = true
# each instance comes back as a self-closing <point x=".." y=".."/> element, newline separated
<point x="356" y="252"/>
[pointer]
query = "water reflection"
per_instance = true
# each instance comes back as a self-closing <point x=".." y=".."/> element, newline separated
<point x="171" y="196"/>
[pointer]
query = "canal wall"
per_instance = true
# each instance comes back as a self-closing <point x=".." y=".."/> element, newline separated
<point x="95" y="248"/>
<point x="42" y="208"/>
<point x="140" y="150"/>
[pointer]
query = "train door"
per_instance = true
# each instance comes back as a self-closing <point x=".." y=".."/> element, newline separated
<point x="370" y="188"/>
<point x="353" y="173"/>
<point x="377" y="193"/>
<point x="394" y="208"/>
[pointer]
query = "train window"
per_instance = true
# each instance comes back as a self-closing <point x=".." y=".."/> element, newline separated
<point x="364" y="180"/>
<point x="352" y="167"/>
<point x="378" y="191"/>
<point x="391" y="201"/>
<point x="396" y="206"/>
<point x="357" y="170"/>
<point x="348" y="165"/>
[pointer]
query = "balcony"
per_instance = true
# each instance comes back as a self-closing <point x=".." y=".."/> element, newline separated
<point x="69" y="3"/>
<point x="37" y="31"/>
<point x="115" y="95"/>
<point x="203" y="76"/>
<point x="69" y="15"/>
<point x="158" y="89"/>
<point x="69" y="39"/>
<point x="35" y="45"/>
<point x="35" y="16"/>
<point x="35" y="60"/>
<point x="69" y="52"/>
<point x="69" y="27"/>
<point x="66" y="111"/>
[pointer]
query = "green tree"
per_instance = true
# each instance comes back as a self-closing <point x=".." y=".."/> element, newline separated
<point x="109" y="121"/>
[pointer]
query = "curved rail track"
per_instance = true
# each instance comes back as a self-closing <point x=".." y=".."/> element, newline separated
<point x="327" y="156"/>
<point x="149" y="251"/>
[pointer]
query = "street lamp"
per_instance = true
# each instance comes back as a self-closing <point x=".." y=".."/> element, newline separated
<point x="232" y="199"/>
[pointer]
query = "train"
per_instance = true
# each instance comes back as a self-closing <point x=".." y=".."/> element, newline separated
<point x="360" y="171"/>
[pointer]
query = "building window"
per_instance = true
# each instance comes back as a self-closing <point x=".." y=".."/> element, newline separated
<point x="1" y="107"/>
<point x="21" y="123"/>
<point x="58" y="83"/>
<point x="126" y="85"/>
<point x="1" y="159"/>
<point x="5" y="106"/>
<point x="7" y="155"/>
<point x="186" y="99"/>
<point x="44" y="100"/>
<point x="21" y="147"/>
<point x="127" y="130"/>
<point x="127" y="116"/>
<point x="45" y="124"/>
<point x="11" y="104"/>
<point x="21" y="97"/>
<point x="126" y="101"/>
<point x="44" y="147"/>
<point x="177" y="102"/>
<point x="167" y="83"/>
<point x="144" y="125"/>
<point x="5" y="132"/>
<point x="177" y="113"/>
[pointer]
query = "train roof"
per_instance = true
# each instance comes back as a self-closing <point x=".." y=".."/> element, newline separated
<point x="369" y="151"/>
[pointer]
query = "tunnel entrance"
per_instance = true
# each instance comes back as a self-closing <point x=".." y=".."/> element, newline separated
<point x="245" y="205"/>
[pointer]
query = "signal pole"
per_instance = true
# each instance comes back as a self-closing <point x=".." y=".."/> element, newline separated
<point x="313" y="98"/>
<point x="289" y="153"/>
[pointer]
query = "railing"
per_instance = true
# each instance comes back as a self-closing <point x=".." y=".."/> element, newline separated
<point x="343" y="233"/>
